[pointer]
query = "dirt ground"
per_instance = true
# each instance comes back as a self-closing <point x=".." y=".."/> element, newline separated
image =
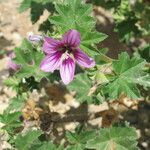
<point x="14" y="27"/>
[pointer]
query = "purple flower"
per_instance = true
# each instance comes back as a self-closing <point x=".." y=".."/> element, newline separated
<point x="11" y="65"/>
<point x="35" y="38"/>
<point x="62" y="54"/>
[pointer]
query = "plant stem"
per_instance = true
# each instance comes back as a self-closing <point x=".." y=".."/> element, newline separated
<point x="106" y="58"/>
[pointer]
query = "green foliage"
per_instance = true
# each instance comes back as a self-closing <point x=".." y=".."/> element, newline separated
<point x="135" y="23"/>
<point x="131" y="17"/>
<point x="24" y="142"/>
<point x="126" y="21"/>
<point x="10" y="120"/>
<point x="81" y="85"/>
<point x="117" y="138"/>
<point x="85" y="90"/>
<point x="144" y="52"/>
<point x="76" y="20"/>
<point x="106" y="138"/>
<point x="16" y="103"/>
<point x="31" y="140"/>
<point x="81" y="20"/>
<point x="142" y="9"/>
<point x="93" y="86"/>
<point x="2" y="53"/>
<point x="108" y="4"/>
<point x="127" y="29"/>
<point x="30" y="60"/>
<point x="128" y="73"/>
<point x="46" y="146"/>
<point x="25" y="4"/>
<point x="78" y="140"/>
<point x="37" y="8"/>
<point x="12" y="82"/>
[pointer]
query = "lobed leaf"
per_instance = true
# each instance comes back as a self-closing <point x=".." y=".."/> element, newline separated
<point x="24" y="142"/>
<point x="30" y="60"/>
<point x="129" y="73"/>
<point x="78" y="140"/>
<point x="81" y="84"/>
<point x="76" y="15"/>
<point x="114" y="138"/>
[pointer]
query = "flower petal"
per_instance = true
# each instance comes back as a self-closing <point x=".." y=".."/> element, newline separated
<point x="72" y="38"/>
<point x="50" y="45"/>
<point x="67" y="70"/>
<point x="12" y="65"/>
<point x="51" y="62"/>
<point x="83" y="59"/>
<point x="35" y="38"/>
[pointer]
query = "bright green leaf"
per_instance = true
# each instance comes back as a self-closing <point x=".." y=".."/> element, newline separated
<point x="116" y="138"/>
<point x="10" y="120"/>
<point x="82" y="85"/>
<point x="129" y="73"/>
<point x="47" y="146"/>
<point x="78" y="140"/>
<point x="12" y="82"/>
<point x="30" y="60"/>
<point x="25" y="4"/>
<point x="76" y="15"/>
<point x="75" y="147"/>
<point x="16" y="104"/>
<point x="24" y="142"/>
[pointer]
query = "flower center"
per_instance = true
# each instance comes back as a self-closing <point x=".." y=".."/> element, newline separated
<point x="66" y="55"/>
<point x="66" y="48"/>
<point x="67" y="51"/>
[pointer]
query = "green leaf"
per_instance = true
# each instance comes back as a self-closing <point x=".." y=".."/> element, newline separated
<point x="143" y="80"/>
<point x="12" y="82"/>
<point x="75" y="147"/>
<point x="90" y="51"/>
<point x="26" y="45"/>
<point x="24" y="53"/>
<point x="25" y="4"/>
<point x="10" y="121"/>
<point x="73" y="15"/>
<point x="82" y="85"/>
<point x="145" y="52"/>
<point x="78" y="140"/>
<point x="116" y="138"/>
<point x="82" y="137"/>
<point x="9" y="118"/>
<point x="130" y="22"/>
<point x="47" y="146"/>
<point x="37" y="8"/>
<point x="127" y="29"/>
<point x="16" y="104"/>
<point x="40" y="145"/>
<point x="129" y="73"/>
<point x="122" y="86"/>
<point x="93" y="38"/>
<point x="24" y="142"/>
<point x="76" y="15"/>
<point x="30" y="60"/>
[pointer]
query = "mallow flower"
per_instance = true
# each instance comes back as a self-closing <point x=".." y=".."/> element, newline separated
<point x="35" y="38"/>
<point x="63" y="54"/>
<point x="12" y="65"/>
